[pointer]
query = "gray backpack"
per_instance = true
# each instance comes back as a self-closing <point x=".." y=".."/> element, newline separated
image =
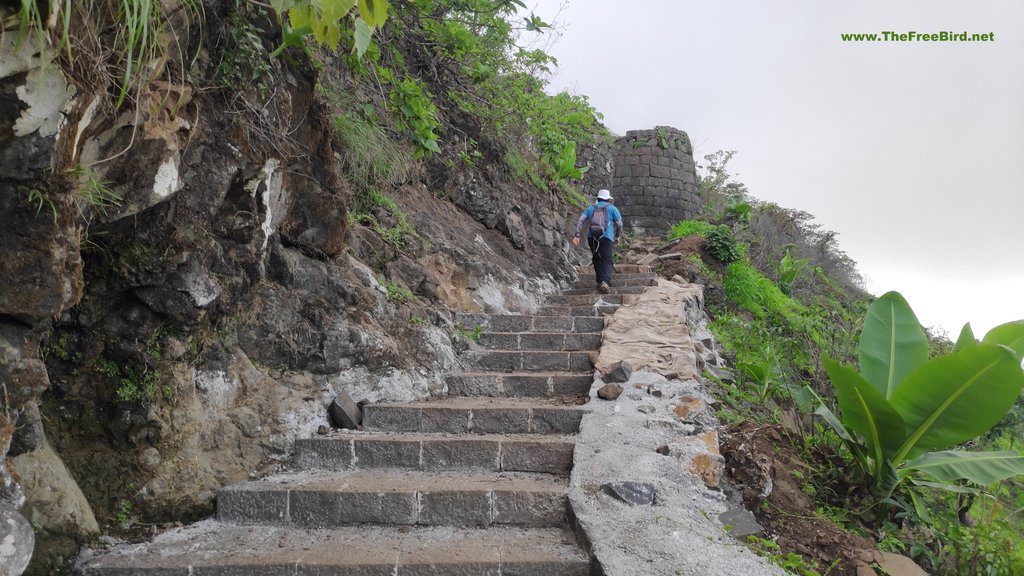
<point x="599" y="221"/>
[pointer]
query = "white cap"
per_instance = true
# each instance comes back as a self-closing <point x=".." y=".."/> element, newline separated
<point x="604" y="195"/>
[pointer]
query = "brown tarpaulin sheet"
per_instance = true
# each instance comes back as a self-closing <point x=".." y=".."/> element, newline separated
<point x="649" y="330"/>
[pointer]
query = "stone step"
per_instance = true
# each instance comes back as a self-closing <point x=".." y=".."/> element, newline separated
<point x="528" y="361"/>
<point x="563" y="341"/>
<point x="533" y="385"/>
<point x="584" y="269"/>
<point x="209" y="548"/>
<point x="475" y="416"/>
<point x="584" y="299"/>
<point x="541" y="323"/>
<point x="601" y="309"/>
<point x="319" y="500"/>
<point x="645" y="279"/>
<point x="615" y="290"/>
<point x="420" y="451"/>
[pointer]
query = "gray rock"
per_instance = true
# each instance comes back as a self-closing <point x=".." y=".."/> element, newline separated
<point x="632" y="493"/>
<point x="723" y="375"/>
<point x="344" y="412"/>
<point x="618" y="372"/>
<point x="741" y="523"/>
<point x="645" y="408"/>
<point x="647" y="260"/>
<point x="54" y="500"/>
<point x="28" y="435"/>
<point x="609" y="391"/>
<point x="17" y="540"/>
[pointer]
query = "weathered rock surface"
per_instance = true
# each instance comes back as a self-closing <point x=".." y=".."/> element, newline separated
<point x="16" y="541"/>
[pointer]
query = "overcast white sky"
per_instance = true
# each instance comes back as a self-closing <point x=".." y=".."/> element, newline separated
<point x="912" y="151"/>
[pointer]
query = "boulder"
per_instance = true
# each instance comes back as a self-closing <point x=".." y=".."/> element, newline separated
<point x="17" y="540"/>
<point x="609" y="391"/>
<point x="618" y="372"/>
<point x="344" y="412"/>
<point x="54" y="501"/>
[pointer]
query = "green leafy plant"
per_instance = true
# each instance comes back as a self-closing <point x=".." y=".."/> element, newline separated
<point x="763" y="374"/>
<point x="325" y="22"/>
<point x="791" y="562"/>
<point x="561" y="155"/>
<point x="901" y="410"/>
<point x="739" y="210"/>
<point x="412" y="105"/>
<point x="722" y="245"/>
<point x="789" y="271"/>
<point x="400" y="234"/>
<point x="245" y="62"/>
<point x="399" y="293"/>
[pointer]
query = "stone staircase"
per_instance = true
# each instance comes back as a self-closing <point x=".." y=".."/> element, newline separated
<point x="472" y="484"/>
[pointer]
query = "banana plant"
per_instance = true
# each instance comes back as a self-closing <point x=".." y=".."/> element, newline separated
<point x="901" y="412"/>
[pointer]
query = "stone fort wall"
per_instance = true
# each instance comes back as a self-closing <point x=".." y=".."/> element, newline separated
<point x="654" y="180"/>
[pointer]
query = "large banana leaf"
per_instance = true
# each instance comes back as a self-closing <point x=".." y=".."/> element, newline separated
<point x="892" y="343"/>
<point x="979" y="467"/>
<point x="865" y="411"/>
<point x="966" y="338"/>
<point x="956" y="397"/>
<point x="1010" y="335"/>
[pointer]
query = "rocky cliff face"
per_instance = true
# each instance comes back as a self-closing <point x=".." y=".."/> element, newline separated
<point x="183" y="290"/>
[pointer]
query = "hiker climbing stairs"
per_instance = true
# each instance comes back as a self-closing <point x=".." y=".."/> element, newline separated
<point x="474" y="483"/>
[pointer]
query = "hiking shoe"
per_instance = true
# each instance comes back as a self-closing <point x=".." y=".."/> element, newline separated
<point x="604" y="288"/>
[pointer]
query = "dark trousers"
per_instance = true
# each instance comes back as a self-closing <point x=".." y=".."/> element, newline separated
<point x="602" y="250"/>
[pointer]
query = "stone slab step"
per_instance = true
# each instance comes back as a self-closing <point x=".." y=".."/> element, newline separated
<point x="209" y="548"/>
<point x="320" y="500"/>
<point x="646" y="279"/>
<point x="544" y="323"/>
<point x="475" y="416"/>
<point x="584" y="299"/>
<point x="600" y="309"/>
<point x="420" y="451"/>
<point x="527" y="361"/>
<point x="533" y="385"/>
<point x="615" y="290"/>
<point x="619" y="269"/>
<point x="562" y="341"/>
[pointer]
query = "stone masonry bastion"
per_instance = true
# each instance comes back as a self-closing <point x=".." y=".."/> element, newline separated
<point x="654" y="179"/>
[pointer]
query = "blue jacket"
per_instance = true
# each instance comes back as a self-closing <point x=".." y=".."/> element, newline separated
<point x="614" y="225"/>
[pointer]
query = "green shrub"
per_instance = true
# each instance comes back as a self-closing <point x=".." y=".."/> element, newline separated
<point x="398" y="293"/>
<point x="686" y="228"/>
<point x="720" y="242"/>
<point x="749" y="289"/>
<point x="723" y="246"/>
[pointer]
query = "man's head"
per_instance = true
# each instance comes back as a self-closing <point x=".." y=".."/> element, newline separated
<point x="604" y="195"/>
